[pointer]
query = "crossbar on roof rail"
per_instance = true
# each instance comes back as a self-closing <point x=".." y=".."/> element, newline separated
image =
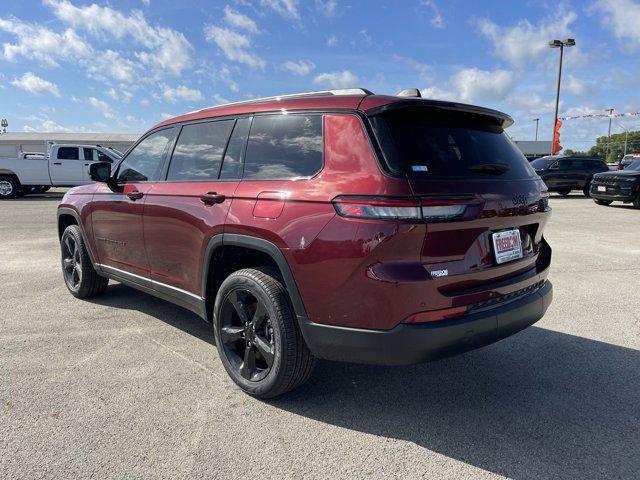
<point x="319" y="93"/>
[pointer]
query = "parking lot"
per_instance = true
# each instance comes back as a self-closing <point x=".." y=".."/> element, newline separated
<point x="126" y="385"/>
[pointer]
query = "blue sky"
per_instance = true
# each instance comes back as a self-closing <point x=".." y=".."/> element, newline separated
<point x="124" y="65"/>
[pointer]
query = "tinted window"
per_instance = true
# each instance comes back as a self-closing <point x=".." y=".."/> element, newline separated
<point x="68" y="153"/>
<point x="564" y="164"/>
<point x="232" y="164"/>
<point x="284" y="147"/>
<point x="434" y="143"/>
<point x="96" y="155"/>
<point x="542" y="162"/>
<point x="199" y="150"/>
<point x="144" y="162"/>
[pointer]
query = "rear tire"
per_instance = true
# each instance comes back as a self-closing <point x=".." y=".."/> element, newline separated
<point x="77" y="270"/>
<point x="564" y="192"/>
<point x="9" y="187"/>
<point x="258" y="339"/>
<point x="602" y="202"/>
<point x="636" y="201"/>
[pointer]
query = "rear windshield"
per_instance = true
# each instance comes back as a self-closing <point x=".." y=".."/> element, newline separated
<point x="436" y="143"/>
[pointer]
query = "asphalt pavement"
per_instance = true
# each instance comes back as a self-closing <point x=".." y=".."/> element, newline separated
<point x="128" y="386"/>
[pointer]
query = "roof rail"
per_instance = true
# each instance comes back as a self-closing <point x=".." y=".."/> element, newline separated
<point x="320" y="93"/>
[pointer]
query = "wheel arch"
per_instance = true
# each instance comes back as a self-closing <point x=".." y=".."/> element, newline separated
<point x="68" y="216"/>
<point x="265" y="251"/>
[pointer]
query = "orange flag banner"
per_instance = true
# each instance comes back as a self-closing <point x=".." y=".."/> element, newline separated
<point x="556" y="137"/>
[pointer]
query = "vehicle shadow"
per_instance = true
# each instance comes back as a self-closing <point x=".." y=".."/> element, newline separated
<point x="540" y="404"/>
<point x="57" y="196"/>
<point x="126" y="298"/>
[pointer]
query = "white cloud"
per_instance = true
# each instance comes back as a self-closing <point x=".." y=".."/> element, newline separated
<point x="302" y="67"/>
<point x="286" y="8"/>
<point x="224" y="75"/>
<point x="337" y="79"/>
<point x="219" y="99"/>
<point x="166" y="116"/>
<point x="238" y="20"/>
<point x="103" y="107"/>
<point x="623" y="18"/>
<point x="36" y="42"/>
<point x="575" y="86"/>
<point x="146" y="2"/>
<point x="525" y="41"/>
<point x="47" y="125"/>
<point x="167" y="50"/>
<point x="113" y="65"/>
<point x="327" y="7"/>
<point x="36" y="85"/>
<point x="422" y="68"/>
<point x="437" y="20"/>
<point x="235" y="46"/>
<point x="475" y="85"/>
<point x="181" y="92"/>
<point x="332" y="41"/>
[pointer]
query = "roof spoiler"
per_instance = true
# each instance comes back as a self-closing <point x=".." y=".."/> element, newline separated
<point x="504" y="119"/>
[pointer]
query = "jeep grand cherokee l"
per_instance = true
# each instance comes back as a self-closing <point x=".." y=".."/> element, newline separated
<point x="340" y="225"/>
<point x="620" y="185"/>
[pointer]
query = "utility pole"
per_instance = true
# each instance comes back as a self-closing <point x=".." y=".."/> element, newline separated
<point x="536" y="120"/>
<point x="569" y="42"/>
<point x="610" y="110"/>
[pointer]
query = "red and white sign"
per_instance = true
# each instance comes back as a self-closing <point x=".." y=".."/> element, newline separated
<point x="507" y="246"/>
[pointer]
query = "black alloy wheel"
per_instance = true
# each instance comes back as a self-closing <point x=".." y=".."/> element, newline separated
<point x="247" y="335"/>
<point x="257" y="336"/>
<point x="71" y="263"/>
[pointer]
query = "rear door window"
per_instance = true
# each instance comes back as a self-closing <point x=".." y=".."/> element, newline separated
<point x="198" y="152"/>
<point x="428" y="142"/>
<point x="68" y="153"/>
<point x="284" y="147"/>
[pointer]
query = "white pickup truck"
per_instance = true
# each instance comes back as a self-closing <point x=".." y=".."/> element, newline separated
<point x="65" y="166"/>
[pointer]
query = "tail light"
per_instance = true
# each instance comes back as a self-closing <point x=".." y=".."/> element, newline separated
<point x="413" y="209"/>
<point x="619" y="167"/>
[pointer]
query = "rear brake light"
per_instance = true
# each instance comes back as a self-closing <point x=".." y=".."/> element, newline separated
<point x="389" y="208"/>
<point x="377" y="208"/>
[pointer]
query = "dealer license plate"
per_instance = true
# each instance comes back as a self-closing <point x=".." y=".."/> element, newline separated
<point x="507" y="246"/>
<point x="602" y="188"/>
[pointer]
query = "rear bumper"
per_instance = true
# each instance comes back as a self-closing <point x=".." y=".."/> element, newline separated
<point x="408" y="344"/>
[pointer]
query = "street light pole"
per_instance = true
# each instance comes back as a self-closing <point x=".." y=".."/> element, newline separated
<point x="569" y="42"/>
<point x="610" y="110"/>
<point x="536" y="120"/>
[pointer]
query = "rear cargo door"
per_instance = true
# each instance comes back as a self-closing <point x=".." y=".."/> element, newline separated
<point x="478" y="191"/>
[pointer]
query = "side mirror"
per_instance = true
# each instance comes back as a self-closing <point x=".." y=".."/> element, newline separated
<point x="100" y="172"/>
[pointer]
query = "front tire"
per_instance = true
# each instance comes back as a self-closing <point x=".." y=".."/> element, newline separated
<point x="602" y="202"/>
<point x="564" y="192"/>
<point x="79" y="275"/>
<point x="586" y="192"/>
<point x="258" y="340"/>
<point x="636" y="201"/>
<point x="9" y="187"/>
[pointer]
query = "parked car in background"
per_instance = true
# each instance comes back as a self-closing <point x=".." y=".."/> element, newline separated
<point x="620" y="186"/>
<point x="65" y="166"/>
<point x="563" y="174"/>
<point x="627" y="160"/>
<point x="338" y="224"/>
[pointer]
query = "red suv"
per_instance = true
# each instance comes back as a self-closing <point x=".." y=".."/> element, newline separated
<point x="340" y="224"/>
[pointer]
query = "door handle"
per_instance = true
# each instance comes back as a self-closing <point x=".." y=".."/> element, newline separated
<point x="210" y="198"/>
<point x="57" y="163"/>
<point x="135" y="195"/>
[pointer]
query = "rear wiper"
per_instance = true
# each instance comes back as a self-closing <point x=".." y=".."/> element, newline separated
<point x="490" y="168"/>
